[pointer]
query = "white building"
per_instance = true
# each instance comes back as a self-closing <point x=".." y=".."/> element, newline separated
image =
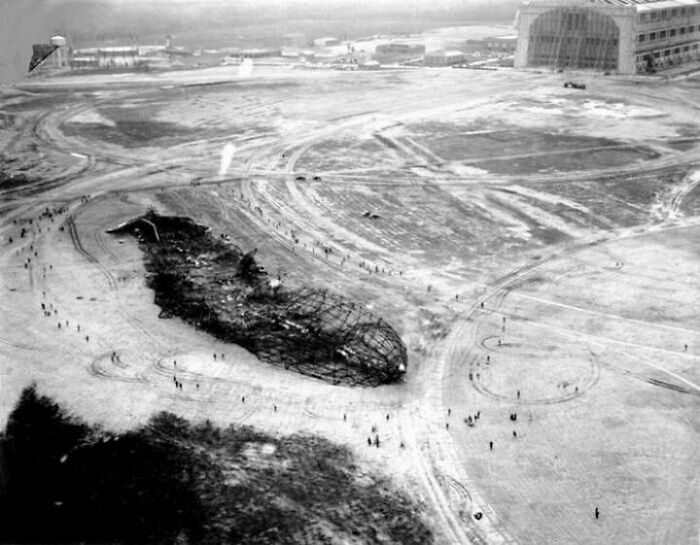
<point x="624" y="36"/>
<point x="443" y="58"/>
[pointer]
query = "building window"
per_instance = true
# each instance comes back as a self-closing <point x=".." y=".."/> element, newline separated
<point x="676" y="50"/>
<point x="664" y="13"/>
<point x="642" y="17"/>
<point x="667" y="53"/>
<point x="682" y="12"/>
<point x="686" y="48"/>
<point x="657" y="55"/>
<point x="653" y="15"/>
<point x="662" y="35"/>
<point x="641" y="38"/>
<point x="691" y="29"/>
<point x="682" y="30"/>
<point x="652" y="36"/>
<point x="672" y="32"/>
<point x="674" y="12"/>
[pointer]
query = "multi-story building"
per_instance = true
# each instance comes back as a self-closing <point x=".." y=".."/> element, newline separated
<point x="623" y="36"/>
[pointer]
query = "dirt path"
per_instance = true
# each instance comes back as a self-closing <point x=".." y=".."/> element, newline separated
<point x="94" y="281"/>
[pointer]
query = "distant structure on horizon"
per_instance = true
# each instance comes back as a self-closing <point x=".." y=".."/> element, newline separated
<point x="623" y="36"/>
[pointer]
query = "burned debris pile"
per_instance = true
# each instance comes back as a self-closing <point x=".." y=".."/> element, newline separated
<point x="172" y="481"/>
<point x="212" y="284"/>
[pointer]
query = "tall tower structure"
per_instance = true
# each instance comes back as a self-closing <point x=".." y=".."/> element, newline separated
<point x="60" y="56"/>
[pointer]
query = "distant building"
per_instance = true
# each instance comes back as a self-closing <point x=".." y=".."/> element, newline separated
<point x="118" y="57"/>
<point x="501" y="44"/>
<point x="443" y="58"/>
<point x="624" y="36"/>
<point x="106" y="57"/>
<point x="326" y="42"/>
<point x="84" y="61"/>
<point x="399" y="48"/>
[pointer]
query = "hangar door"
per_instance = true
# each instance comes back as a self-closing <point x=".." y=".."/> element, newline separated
<point x="574" y="38"/>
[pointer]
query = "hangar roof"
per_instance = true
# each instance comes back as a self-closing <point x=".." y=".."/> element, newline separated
<point x="666" y="4"/>
<point x="643" y="5"/>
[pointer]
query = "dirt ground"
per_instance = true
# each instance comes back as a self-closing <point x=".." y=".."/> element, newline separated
<point x="536" y="248"/>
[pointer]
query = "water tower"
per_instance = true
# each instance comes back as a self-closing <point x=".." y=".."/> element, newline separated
<point x="60" y="56"/>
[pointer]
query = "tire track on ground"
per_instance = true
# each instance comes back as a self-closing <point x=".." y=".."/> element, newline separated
<point x="75" y="238"/>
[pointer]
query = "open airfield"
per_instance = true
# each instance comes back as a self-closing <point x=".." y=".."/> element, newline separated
<point x="535" y="247"/>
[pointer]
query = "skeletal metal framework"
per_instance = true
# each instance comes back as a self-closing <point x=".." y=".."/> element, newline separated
<point x="213" y="285"/>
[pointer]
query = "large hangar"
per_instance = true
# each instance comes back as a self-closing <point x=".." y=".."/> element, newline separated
<point x="623" y="36"/>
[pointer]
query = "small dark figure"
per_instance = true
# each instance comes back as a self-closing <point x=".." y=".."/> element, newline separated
<point x="482" y="304"/>
<point x="518" y="394"/>
<point x="243" y="399"/>
<point x="449" y="412"/>
<point x="597" y="513"/>
<point x="515" y="434"/>
<point x="345" y="418"/>
<point x="402" y="445"/>
<point x="87" y="338"/>
<point x="274" y="408"/>
<point x="387" y="418"/>
<point x="376" y="441"/>
<point x="214" y="357"/>
<point x="447" y="425"/>
<point x="174" y="363"/>
<point x="198" y="386"/>
<point x="490" y="445"/>
<point x="222" y="356"/>
<point x="369" y="441"/>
